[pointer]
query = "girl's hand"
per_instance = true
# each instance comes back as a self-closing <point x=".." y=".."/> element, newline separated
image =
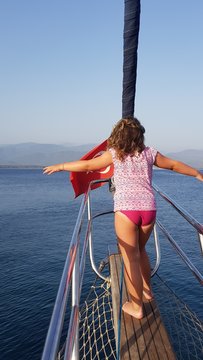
<point x="52" y="169"/>
<point x="199" y="176"/>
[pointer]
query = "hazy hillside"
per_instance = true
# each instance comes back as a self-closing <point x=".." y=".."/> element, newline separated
<point x="44" y="154"/>
<point x="40" y="154"/>
<point x="191" y="157"/>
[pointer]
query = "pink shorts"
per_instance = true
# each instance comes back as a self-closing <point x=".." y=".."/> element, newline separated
<point x="140" y="217"/>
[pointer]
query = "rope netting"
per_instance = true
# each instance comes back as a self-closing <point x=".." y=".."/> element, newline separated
<point x="97" y="337"/>
<point x="184" y="328"/>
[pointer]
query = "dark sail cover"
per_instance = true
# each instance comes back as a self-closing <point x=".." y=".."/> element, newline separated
<point x="130" y="46"/>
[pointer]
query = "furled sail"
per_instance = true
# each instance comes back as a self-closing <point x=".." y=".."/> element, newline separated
<point x="130" y="47"/>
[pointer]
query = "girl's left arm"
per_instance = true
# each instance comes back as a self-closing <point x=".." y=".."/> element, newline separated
<point x="166" y="163"/>
<point x="97" y="163"/>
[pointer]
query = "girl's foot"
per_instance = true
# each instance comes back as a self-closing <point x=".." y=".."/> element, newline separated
<point x="129" y="308"/>
<point x="148" y="295"/>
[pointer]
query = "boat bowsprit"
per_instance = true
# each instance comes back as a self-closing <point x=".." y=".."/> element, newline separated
<point x="97" y="329"/>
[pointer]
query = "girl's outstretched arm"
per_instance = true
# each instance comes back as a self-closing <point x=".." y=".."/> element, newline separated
<point x="81" y="165"/>
<point x="166" y="163"/>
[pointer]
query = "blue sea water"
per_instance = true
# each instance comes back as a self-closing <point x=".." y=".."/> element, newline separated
<point x="37" y="218"/>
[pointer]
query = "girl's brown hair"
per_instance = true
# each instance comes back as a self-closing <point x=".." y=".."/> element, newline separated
<point x="127" y="137"/>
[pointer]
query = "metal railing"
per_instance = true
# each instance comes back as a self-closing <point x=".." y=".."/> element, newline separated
<point x="74" y="270"/>
<point x="72" y="274"/>
<point x="193" y="222"/>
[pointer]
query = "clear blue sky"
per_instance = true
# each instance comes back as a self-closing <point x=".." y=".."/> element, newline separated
<point x="61" y="71"/>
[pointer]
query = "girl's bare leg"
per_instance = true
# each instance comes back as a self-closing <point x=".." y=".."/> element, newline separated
<point x="128" y="238"/>
<point x="144" y="234"/>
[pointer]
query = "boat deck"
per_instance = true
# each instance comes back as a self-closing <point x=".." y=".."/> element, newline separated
<point x="145" y="339"/>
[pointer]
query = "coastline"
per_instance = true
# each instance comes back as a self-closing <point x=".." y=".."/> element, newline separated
<point x="21" y="167"/>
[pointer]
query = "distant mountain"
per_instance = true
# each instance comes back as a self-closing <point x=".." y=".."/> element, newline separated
<point x="191" y="157"/>
<point x="32" y="154"/>
<point x="27" y="154"/>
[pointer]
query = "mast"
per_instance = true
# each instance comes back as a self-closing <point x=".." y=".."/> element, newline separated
<point x="130" y="47"/>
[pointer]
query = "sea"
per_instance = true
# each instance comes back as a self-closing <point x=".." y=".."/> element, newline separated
<point x="37" y="218"/>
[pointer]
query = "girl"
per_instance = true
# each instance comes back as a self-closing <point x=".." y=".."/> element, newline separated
<point x="134" y="201"/>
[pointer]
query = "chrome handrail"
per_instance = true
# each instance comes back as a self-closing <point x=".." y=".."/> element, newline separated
<point x="193" y="222"/>
<point x="182" y="254"/>
<point x="97" y="272"/>
<point x="190" y="219"/>
<point x="73" y="270"/>
<point x="157" y="250"/>
<point x="57" y="319"/>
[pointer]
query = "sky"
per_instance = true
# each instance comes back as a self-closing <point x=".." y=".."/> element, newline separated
<point x="61" y="71"/>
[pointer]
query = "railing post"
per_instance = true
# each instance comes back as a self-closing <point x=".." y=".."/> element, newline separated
<point x="200" y="236"/>
<point x="91" y="245"/>
<point x="75" y="302"/>
<point x="158" y="251"/>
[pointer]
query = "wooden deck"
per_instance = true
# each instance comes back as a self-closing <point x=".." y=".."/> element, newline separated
<point x="144" y="339"/>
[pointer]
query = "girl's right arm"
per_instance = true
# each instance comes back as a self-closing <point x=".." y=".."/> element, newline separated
<point x="97" y="163"/>
<point x="166" y="163"/>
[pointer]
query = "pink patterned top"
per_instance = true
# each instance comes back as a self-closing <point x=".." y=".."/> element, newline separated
<point x="133" y="179"/>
